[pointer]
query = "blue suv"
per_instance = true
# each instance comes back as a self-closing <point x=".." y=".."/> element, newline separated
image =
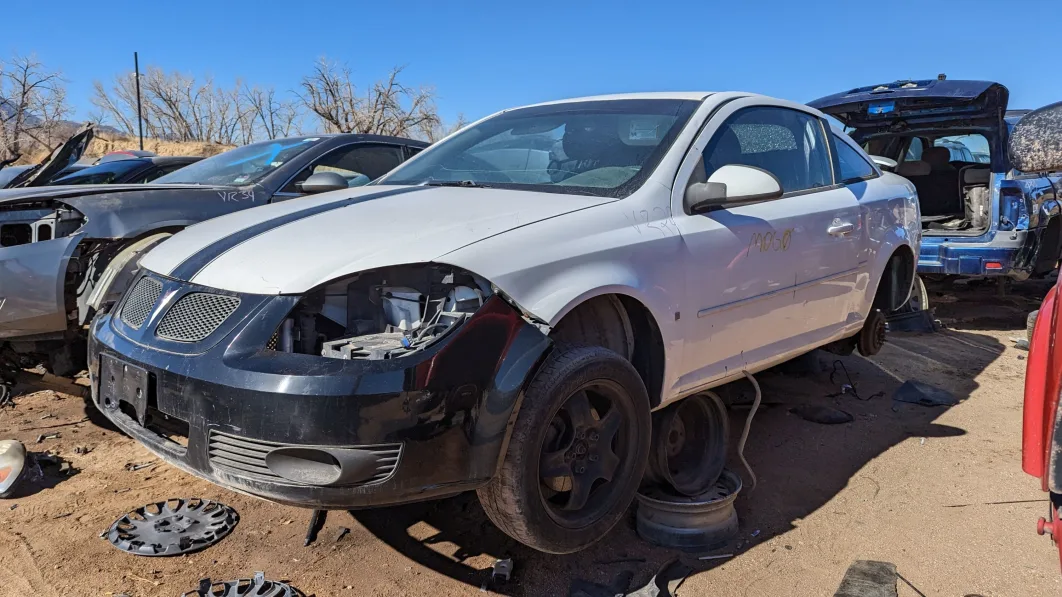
<point x="981" y="216"/>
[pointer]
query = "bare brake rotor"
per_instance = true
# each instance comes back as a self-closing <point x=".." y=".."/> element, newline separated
<point x="173" y="527"/>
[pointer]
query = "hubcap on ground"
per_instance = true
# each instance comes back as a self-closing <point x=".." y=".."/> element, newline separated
<point x="583" y="453"/>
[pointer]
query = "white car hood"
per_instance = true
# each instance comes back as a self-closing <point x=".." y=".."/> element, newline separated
<point x="296" y="245"/>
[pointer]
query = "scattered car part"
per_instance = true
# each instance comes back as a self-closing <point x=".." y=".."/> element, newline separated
<point x="257" y="586"/>
<point x="690" y="440"/>
<point x="703" y="522"/>
<point x="502" y="570"/>
<point x="317" y="520"/>
<point x="12" y="465"/>
<point x="748" y="426"/>
<point x="825" y="415"/>
<point x="174" y="527"/>
<point x="866" y="578"/>
<point x="912" y="321"/>
<point x="916" y="392"/>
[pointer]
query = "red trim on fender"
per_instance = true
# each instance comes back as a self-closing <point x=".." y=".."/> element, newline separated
<point x="1041" y="390"/>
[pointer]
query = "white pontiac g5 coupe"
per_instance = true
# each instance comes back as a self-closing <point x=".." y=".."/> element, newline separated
<point x="509" y="310"/>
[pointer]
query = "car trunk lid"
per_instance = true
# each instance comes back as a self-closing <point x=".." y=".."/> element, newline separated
<point x="916" y="102"/>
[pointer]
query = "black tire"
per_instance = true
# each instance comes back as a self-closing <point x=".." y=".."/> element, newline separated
<point x="1030" y="324"/>
<point x="518" y="500"/>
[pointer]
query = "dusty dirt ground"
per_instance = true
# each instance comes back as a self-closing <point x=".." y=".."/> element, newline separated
<point x="939" y="492"/>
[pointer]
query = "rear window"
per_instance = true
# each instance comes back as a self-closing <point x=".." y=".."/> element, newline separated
<point x="964" y="148"/>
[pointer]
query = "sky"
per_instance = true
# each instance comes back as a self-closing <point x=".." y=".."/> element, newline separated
<point x="486" y="56"/>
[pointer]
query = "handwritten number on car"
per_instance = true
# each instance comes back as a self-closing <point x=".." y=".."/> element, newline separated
<point x="771" y="241"/>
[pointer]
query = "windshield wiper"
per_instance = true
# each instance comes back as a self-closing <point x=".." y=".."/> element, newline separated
<point x="456" y="183"/>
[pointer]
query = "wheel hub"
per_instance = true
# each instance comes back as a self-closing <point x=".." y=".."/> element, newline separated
<point x="578" y="458"/>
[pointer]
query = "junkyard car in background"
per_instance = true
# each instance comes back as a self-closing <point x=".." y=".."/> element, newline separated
<point x="503" y="312"/>
<point x="67" y="252"/>
<point x="61" y="162"/>
<point x="129" y="170"/>
<point x="980" y="218"/>
<point x="1036" y="146"/>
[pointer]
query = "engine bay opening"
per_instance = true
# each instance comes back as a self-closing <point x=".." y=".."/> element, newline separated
<point x="35" y="222"/>
<point x="382" y="314"/>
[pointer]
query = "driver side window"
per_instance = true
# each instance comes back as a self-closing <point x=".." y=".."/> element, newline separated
<point x="787" y="143"/>
<point x="359" y="164"/>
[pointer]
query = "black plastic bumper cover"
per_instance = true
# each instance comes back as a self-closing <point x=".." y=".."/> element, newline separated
<point x="449" y="407"/>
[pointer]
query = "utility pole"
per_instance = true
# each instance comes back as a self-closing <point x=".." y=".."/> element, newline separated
<point x="139" y="112"/>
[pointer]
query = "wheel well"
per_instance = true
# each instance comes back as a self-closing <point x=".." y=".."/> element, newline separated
<point x="895" y="286"/>
<point x="88" y="263"/>
<point x="1047" y="253"/>
<point x="623" y="325"/>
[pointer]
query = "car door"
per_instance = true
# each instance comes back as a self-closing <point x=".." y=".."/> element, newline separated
<point x="766" y="281"/>
<point x="359" y="163"/>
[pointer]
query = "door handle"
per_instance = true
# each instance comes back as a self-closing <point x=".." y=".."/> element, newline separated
<point x="841" y="229"/>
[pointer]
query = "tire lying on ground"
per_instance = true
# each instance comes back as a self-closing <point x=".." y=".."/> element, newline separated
<point x="577" y="452"/>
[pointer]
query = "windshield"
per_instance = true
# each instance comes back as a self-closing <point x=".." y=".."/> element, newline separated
<point x="243" y="165"/>
<point x="602" y="148"/>
<point x="107" y="173"/>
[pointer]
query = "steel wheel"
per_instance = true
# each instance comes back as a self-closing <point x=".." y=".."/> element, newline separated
<point x="584" y="446"/>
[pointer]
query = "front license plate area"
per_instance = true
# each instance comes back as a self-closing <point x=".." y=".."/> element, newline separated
<point x="123" y="382"/>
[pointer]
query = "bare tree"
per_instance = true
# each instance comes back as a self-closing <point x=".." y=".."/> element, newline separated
<point x="439" y="129"/>
<point x="275" y="118"/>
<point x="176" y="107"/>
<point x="388" y="107"/>
<point x="32" y="106"/>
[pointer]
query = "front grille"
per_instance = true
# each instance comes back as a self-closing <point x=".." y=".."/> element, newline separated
<point x="195" y="316"/>
<point x="246" y="457"/>
<point x="141" y="301"/>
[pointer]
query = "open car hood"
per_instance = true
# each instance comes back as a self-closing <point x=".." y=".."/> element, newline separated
<point x="61" y="157"/>
<point x="916" y="102"/>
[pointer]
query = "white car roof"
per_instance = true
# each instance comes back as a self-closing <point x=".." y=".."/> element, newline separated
<point x="679" y="95"/>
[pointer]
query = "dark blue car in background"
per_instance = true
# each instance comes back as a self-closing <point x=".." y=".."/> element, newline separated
<point x="980" y="215"/>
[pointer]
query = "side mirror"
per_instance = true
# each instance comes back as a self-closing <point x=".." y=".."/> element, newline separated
<point x="731" y="186"/>
<point x="1036" y="141"/>
<point x="884" y="163"/>
<point x="322" y="182"/>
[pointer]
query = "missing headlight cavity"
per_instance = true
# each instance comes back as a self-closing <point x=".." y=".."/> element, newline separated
<point x="35" y="222"/>
<point x="383" y="314"/>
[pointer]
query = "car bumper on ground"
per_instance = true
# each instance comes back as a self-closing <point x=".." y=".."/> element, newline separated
<point x="324" y="433"/>
<point x="1005" y="255"/>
